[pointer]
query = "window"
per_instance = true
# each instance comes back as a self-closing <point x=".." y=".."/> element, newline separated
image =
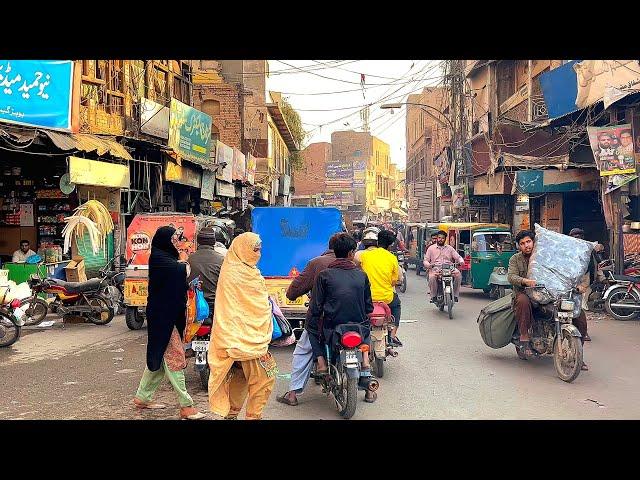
<point x="181" y="84"/>
<point x="159" y="80"/>
<point x="215" y="133"/>
<point x="506" y="79"/>
<point x="211" y="108"/>
<point x="103" y="84"/>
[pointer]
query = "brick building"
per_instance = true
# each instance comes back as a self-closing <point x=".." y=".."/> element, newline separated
<point x="310" y="180"/>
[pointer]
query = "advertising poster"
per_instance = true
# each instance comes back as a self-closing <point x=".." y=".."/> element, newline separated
<point x="143" y="227"/>
<point x="189" y="132"/>
<point x="613" y="149"/>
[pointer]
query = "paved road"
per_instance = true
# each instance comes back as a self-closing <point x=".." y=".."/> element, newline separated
<point x="444" y="371"/>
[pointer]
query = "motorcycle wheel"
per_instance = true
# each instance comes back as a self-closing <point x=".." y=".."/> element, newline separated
<point x="349" y="396"/>
<point x="36" y="310"/>
<point x="103" y="317"/>
<point x="133" y="318"/>
<point x="450" y="306"/>
<point x="9" y="331"/>
<point x="619" y="295"/>
<point x="567" y="357"/>
<point x="204" y="378"/>
<point x="403" y="286"/>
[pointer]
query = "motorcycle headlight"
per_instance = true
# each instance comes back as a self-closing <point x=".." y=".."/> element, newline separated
<point x="567" y="305"/>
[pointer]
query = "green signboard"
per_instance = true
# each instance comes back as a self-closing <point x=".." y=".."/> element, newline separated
<point x="189" y="132"/>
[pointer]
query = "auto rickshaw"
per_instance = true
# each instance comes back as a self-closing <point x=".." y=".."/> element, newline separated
<point x="291" y="236"/>
<point x="420" y="234"/>
<point x="486" y="248"/>
<point x="139" y="236"/>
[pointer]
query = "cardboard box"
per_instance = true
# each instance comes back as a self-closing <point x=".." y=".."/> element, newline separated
<point x="75" y="270"/>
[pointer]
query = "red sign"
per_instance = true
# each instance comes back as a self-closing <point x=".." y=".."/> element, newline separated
<point x="143" y="227"/>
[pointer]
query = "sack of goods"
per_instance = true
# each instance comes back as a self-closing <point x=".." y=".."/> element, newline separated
<point x="558" y="262"/>
<point x="497" y="322"/>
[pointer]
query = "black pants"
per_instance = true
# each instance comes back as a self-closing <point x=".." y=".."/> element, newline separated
<point x="396" y="309"/>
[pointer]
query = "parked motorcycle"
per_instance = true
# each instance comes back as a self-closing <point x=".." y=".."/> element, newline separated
<point x="114" y="289"/>
<point x="444" y="297"/>
<point x="344" y="355"/>
<point x="622" y="298"/>
<point x="11" y="320"/>
<point x="401" y="255"/>
<point x="554" y="332"/>
<point x="73" y="299"/>
<point x="382" y="323"/>
<point x="200" y="347"/>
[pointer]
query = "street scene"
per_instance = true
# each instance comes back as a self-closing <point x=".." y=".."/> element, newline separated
<point x="320" y="239"/>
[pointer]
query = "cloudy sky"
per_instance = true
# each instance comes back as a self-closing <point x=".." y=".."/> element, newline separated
<point x="329" y="96"/>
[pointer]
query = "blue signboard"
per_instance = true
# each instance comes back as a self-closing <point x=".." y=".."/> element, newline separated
<point x="291" y="236"/>
<point x="36" y="92"/>
<point x="560" y="89"/>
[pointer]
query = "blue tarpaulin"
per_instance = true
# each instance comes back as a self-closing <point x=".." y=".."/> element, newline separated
<point x="291" y="236"/>
<point x="560" y="89"/>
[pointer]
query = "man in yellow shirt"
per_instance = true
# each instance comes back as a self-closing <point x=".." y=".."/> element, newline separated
<point x="381" y="266"/>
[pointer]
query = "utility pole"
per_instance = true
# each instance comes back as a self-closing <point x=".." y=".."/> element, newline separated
<point x="455" y="81"/>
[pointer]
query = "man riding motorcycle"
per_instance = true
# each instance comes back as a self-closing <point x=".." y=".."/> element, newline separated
<point x="384" y="273"/>
<point x="437" y="254"/>
<point x="524" y="310"/>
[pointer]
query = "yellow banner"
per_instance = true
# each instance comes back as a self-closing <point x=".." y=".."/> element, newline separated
<point x="103" y="174"/>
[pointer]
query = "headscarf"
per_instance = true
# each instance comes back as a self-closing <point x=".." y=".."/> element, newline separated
<point x="243" y="317"/>
<point x="167" y="298"/>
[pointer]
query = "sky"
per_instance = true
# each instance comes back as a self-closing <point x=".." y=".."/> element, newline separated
<point x="328" y="95"/>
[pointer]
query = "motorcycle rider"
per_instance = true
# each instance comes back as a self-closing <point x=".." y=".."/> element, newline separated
<point x="437" y="254"/>
<point x="302" y="355"/>
<point x="369" y="242"/>
<point x="206" y="263"/>
<point x="384" y="273"/>
<point x="341" y="294"/>
<point x="517" y="277"/>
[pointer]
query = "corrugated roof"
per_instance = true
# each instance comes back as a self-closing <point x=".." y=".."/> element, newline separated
<point x="87" y="143"/>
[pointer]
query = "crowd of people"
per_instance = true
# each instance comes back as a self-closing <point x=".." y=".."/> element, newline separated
<point x="343" y="284"/>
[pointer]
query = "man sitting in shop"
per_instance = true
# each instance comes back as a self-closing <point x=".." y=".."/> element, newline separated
<point x="20" y="256"/>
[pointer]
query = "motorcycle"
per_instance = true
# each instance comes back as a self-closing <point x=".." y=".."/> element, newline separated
<point x="200" y="347"/>
<point x="401" y="255"/>
<point x="83" y="299"/>
<point x="444" y="296"/>
<point x="11" y="320"/>
<point x="553" y="332"/>
<point x="114" y="289"/>
<point x="382" y="322"/>
<point x="344" y="352"/>
<point x="604" y="279"/>
<point x="622" y="298"/>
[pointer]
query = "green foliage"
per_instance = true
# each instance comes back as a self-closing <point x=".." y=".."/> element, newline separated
<point x="295" y="125"/>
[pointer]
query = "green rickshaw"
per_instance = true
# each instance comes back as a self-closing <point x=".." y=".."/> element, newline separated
<point x="486" y="249"/>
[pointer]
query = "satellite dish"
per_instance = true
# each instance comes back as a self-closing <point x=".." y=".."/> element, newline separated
<point x="65" y="184"/>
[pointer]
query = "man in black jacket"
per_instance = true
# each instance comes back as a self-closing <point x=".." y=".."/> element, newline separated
<point x="342" y="294"/>
<point x="206" y="263"/>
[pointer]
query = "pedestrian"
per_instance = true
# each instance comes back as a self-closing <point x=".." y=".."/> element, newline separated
<point x="241" y="367"/>
<point x="303" y="354"/>
<point x="166" y="307"/>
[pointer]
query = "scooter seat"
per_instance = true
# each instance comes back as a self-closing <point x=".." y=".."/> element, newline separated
<point x="77" y="287"/>
<point x="626" y="278"/>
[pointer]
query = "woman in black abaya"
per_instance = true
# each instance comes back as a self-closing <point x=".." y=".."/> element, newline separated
<point x="166" y="308"/>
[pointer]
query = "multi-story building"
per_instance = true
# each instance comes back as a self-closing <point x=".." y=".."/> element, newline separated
<point x="310" y="181"/>
<point x="359" y="174"/>
<point x="426" y="136"/>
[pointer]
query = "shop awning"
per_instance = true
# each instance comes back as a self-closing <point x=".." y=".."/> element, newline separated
<point x="511" y="160"/>
<point x="87" y="142"/>
<point x="278" y="118"/>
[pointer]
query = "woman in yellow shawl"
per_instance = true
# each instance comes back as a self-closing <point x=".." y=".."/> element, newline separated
<point x="239" y="360"/>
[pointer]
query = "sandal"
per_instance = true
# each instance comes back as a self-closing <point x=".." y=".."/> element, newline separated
<point x="373" y="398"/>
<point x="587" y="338"/>
<point x="148" y="405"/>
<point x="524" y="349"/>
<point x="193" y="416"/>
<point x="285" y="399"/>
<point x="396" y="342"/>
<point x="584" y="366"/>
